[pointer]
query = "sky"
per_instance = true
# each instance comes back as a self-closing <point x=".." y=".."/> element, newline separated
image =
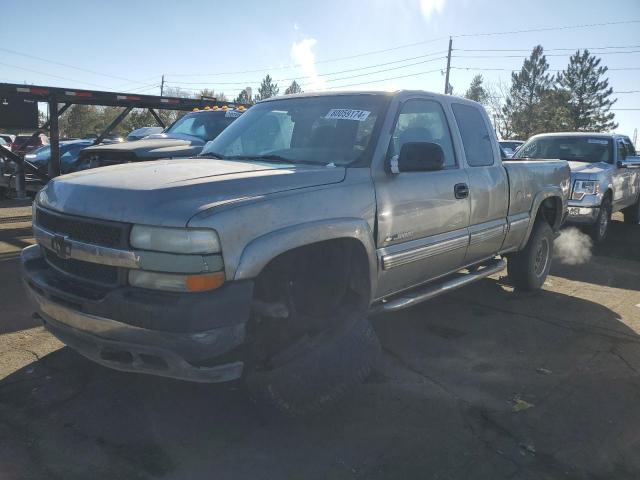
<point x="329" y="44"/>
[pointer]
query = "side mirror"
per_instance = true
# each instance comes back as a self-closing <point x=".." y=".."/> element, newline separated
<point x="417" y="157"/>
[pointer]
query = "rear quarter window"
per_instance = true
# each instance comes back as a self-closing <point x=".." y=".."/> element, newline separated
<point x="476" y="138"/>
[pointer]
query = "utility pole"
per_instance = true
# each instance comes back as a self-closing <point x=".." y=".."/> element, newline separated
<point x="446" y="79"/>
<point x="162" y="86"/>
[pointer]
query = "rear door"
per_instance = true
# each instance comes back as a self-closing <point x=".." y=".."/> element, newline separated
<point x="488" y="183"/>
<point x="422" y="223"/>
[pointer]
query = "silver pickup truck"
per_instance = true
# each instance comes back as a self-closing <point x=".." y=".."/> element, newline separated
<point x="262" y="257"/>
<point x="605" y="176"/>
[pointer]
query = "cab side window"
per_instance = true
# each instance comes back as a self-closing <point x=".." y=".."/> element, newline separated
<point x="423" y="121"/>
<point x="622" y="150"/>
<point x="476" y="139"/>
<point x="631" y="150"/>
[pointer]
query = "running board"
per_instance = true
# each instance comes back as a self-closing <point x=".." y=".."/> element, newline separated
<point x="413" y="297"/>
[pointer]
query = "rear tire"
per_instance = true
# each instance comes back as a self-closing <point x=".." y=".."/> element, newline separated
<point x="632" y="213"/>
<point x="528" y="269"/>
<point x="599" y="230"/>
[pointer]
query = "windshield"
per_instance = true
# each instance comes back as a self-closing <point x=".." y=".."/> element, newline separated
<point x="335" y="129"/>
<point x="204" y="125"/>
<point x="573" y="148"/>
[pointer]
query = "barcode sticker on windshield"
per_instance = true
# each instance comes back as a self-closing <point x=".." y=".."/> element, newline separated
<point x="599" y="141"/>
<point x="347" y="114"/>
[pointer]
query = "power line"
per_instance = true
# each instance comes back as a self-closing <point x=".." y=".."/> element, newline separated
<point x="292" y="66"/>
<point x="325" y="74"/>
<point x="382" y="79"/>
<point x="547" y="29"/>
<point x="518" y="69"/>
<point x="546" y="55"/>
<point x="14" y="52"/>
<point x="546" y="49"/>
<point x="408" y="45"/>
<point x="51" y="75"/>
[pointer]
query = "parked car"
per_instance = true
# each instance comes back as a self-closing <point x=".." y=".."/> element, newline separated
<point x="23" y="144"/>
<point x="261" y="258"/>
<point x="69" y="151"/>
<point x="605" y="176"/>
<point x="140" y="133"/>
<point x="8" y="138"/>
<point x="186" y="137"/>
<point x="510" y="146"/>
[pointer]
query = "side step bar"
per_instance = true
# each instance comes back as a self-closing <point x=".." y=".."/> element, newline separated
<point x="413" y="297"/>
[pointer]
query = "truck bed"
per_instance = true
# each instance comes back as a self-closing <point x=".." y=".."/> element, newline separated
<point x="529" y="177"/>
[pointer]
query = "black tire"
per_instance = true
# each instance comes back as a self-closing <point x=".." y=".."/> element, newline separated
<point x="528" y="268"/>
<point x="632" y="213"/>
<point x="599" y="230"/>
<point x="318" y="372"/>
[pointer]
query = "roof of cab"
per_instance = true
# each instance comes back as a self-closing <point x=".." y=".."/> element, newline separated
<point x="371" y="92"/>
<point x="580" y="134"/>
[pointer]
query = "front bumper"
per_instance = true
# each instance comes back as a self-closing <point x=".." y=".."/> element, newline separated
<point x="582" y="215"/>
<point x="209" y="354"/>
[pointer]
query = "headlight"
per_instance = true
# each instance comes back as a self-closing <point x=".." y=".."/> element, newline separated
<point x="175" y="240"/>
<point x="584" y="187"/>
<point x="175" y="283"/>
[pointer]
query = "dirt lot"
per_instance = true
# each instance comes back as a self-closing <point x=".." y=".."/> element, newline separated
<point x="481" y="383"/>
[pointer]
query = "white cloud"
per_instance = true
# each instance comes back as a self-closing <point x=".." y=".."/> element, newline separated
<point x="302" y="55"/>
<point x="428" y="7"/>
<point x="296" y="26"/>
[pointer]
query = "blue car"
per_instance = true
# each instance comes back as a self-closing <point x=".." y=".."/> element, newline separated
<point x="69" y="151"/>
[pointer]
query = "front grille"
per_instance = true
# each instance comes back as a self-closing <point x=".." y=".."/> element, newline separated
<point x="97" y="232"/>
<point x="93" y="272"/>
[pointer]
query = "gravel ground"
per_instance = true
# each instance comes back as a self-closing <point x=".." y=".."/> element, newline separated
<point x="481" y="383"/>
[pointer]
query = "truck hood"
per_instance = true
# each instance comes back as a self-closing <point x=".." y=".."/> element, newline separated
<point x="587" y="171"/>
<point x="161" y="145"/>
<point x="170" y="192"/>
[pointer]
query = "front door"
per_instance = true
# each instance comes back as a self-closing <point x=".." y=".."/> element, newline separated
<point x="422" y="222"/>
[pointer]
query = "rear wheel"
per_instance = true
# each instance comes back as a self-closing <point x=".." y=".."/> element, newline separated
<point x="528" y="268"/>
<point x="599" y="230"/>
<point x="632" y="213"/>
<point x="321" y="344"/>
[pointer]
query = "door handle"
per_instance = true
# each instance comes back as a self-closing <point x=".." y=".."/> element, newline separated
<point x="461" y="190"/>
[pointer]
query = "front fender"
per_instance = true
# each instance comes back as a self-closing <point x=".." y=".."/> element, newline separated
<point x="260" y="251"/>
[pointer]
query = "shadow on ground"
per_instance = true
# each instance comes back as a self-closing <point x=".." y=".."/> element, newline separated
<point x="441" y="405"/>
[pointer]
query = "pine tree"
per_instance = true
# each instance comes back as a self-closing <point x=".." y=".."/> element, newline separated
<point x="476" y="91"/>
<point x="293" y="88"/>
<point x="590" y="93"/>
<point x="267" y="89"/>
<point x="553" y="112"/>
<point x="528" y="86"/>
<point x="243" y="97"/>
